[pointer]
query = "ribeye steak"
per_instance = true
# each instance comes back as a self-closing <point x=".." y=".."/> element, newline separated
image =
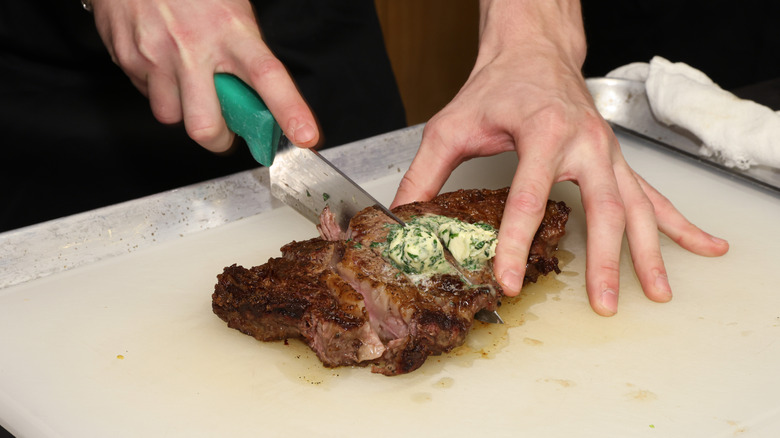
<point x="352" y="305"/>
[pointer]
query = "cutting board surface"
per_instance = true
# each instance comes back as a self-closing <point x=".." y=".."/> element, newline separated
<point x="129" y="346"/>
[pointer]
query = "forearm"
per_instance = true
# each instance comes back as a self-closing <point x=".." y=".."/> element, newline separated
<point x="532" y="26"/>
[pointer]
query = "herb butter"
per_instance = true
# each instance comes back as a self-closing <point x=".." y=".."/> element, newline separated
<point x="472" y="245"/>
<point x="416" y="248"/>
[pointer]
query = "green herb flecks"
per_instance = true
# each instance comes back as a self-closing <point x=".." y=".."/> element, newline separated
<point x="415" y="249"/>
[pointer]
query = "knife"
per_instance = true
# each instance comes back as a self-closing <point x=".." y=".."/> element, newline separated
<point x="300" y="177"/>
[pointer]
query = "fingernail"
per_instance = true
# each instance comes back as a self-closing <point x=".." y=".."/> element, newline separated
<point x="303" y="133"/>
<point x="609" y="300"/>
<point x="512" y="281"/>
<point x="718" y="240"/>
<point x="662" y="283"/>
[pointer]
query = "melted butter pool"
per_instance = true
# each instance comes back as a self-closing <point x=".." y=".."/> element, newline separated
<point x="485" y="341"/>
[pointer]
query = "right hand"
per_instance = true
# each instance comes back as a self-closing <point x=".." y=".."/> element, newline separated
<point x="527" y="94"/>
<point x="171" y="49"/>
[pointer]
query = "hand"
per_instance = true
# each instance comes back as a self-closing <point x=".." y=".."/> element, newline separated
<point x="526" y="93"/>
<point x="171" y="50"/>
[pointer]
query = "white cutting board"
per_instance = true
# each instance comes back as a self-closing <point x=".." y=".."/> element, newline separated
<point x="129" y="346"/>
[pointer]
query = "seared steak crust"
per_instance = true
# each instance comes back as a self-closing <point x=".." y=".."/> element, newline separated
<point x="541" y="260"/>
<point x="353" y="307"/>
<point x="299" y="296"/>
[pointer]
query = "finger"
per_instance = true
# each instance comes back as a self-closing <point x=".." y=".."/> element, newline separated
<point x="642" y="234"/>
<point x="605" y="225"/>
<point x="135" y="67"/>
<point x="201" y="111"/>
<point x="432" y="165"/>
<point x="164" y="99"/>
<point x="266" y="74"/>
<point x="672" y="223"/>
<point x="523" y="212"/>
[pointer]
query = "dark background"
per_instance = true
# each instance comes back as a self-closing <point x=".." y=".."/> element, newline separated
<point x="735" y="43"/>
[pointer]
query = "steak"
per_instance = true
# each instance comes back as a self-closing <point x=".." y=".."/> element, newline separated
<point x="299" y="295"/>
<point x="414" y="319"/>
<point x="341" y="295"/>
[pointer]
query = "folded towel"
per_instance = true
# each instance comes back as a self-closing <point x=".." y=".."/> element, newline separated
<point x="740" y="132"/>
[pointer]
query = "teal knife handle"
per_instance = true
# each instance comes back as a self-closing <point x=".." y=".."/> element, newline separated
<point x="247" y="116"/>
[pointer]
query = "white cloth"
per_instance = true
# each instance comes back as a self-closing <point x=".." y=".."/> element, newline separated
<point x="740" y="132"/>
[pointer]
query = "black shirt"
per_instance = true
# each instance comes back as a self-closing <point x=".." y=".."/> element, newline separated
<point x="77" y="135"/>
<point x="735" y="43"/>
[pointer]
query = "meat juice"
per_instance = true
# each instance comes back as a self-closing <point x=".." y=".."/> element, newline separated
<point x="484" y="341"/>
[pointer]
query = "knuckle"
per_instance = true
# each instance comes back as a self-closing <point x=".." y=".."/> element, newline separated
<point x="166" y="114"/>
<point x="265" y="66"/>
<point x="439" y="125"/>
<point x="611" y="211"/>
<point x="458" y="134"/>
<point x="125" y="59"/>
<point x="438" y="132"/>
<point x="527" y="202"/>
<point x="152" y="46"/>
<point x="643" y="206"/>
<point x="609" y="269"/>
<point x="409" y="184"/>
<point x="596" y="130"/>
<point x="610" y="202"/>
<point x="203" y="133"/>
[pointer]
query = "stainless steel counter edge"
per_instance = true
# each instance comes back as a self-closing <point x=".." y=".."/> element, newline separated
<point x="40" y="250"/>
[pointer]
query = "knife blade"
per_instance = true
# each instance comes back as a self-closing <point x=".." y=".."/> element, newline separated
<point x="300" y="177"/>
<point x="308" y="182"/>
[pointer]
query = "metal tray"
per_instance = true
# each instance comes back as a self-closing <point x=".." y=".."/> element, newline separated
<point x="623" y="103"/>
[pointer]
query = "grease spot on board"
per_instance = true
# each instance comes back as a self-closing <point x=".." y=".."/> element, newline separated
<point x="421" y="397"/>
<point x="563" y="383"/>
<point x="444" y="382"/>
<point x="737" y="428"/>
<point x="486" y="340"/>
<point x="564" y="258"/>
<point x="642" y="395"/>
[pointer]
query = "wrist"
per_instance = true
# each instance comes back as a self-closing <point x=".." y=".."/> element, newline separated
<point x="532" y="26"/>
